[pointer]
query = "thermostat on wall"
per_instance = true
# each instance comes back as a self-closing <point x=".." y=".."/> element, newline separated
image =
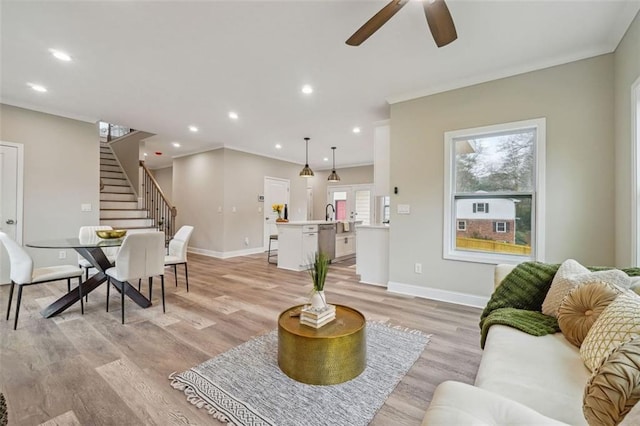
<point x="404" y="209"/>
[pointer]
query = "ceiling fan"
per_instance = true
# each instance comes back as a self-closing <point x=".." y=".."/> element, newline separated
<point x="438" y="18"/>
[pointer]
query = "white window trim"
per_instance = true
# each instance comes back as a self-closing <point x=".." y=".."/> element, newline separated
<point x="464" y="225"/>
<point x="538" y="247"/>
<point x="504" y="231"/>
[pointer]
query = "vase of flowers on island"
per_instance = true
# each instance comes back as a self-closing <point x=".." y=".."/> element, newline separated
<point x="278" y="208"/>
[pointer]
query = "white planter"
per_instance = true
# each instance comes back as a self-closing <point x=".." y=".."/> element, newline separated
<point x="318" y="300"/>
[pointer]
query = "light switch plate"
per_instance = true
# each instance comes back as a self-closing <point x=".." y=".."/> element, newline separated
<point x="85" y="207"/>
<point x="404" y="209"/>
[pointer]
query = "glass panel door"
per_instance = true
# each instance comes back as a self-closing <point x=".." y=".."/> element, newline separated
<point x="351" y="203"/>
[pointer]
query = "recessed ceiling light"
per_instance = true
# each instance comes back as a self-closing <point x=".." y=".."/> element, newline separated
<point x="37" y="87"/>
<point x="278" y="146"/>
<point x="193" y="129"/>
<point x="176" y="144"/>
<point x="58" y="54"/>
<point x="145" y="154"/>
<point x="307" y="89"/>
<point x="233" y="115"/>
<point x="356" y="130"/>
<point x="325" y="159"/>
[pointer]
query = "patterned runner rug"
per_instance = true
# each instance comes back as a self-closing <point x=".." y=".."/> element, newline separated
<point x="244" y="386"/>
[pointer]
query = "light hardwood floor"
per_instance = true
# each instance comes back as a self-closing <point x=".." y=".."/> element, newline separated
<point x="92" y="370"/>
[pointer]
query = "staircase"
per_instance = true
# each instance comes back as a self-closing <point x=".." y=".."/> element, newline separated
<point x="118" y="202"/>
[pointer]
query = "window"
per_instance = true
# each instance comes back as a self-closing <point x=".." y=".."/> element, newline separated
<point x="481" y="207"/>
<point x="494" y="183"/>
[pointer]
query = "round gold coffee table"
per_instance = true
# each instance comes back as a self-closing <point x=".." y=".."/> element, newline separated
<point x="331" y="354"/>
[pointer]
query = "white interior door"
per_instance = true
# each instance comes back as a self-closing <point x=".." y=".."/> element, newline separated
<point x="351" y="202"/>
<point x="276" y="191"/>
<point x="10" y="200"/>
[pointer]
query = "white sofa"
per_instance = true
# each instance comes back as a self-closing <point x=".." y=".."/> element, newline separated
<point x="522" y="380"/>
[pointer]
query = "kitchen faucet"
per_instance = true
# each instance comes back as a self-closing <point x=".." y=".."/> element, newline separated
<point x="326" y="211"/>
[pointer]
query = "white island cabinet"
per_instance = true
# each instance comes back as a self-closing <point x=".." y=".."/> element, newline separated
<point x="372" y="258"/>
<point x="297" y="245"/>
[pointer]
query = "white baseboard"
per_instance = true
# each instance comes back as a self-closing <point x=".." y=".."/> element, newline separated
<point x="370" y="283"/>
<point x="438" y="294"/>
<point x="225" y="254"/>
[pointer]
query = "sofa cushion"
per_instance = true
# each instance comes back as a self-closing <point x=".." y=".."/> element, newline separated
<point x="582" y="306"/>
<point x="570" y="275"/>
<point x="457" y="403"/>
<point x="614" y="389"/>
<point x="619" y="323"/>
<point x="544" y="373"/>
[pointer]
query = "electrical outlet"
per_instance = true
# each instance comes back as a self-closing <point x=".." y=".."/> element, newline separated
<point x="233" y="209"/>
<point x="246" y="241"/>
<point x="62" y="254"/>
<point x="418" y="268"/>
<point x="219" y="209"/>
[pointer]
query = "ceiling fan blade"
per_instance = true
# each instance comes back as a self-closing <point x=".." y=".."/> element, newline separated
<point x="440" y="22"/>
<point x="374" y="24"/>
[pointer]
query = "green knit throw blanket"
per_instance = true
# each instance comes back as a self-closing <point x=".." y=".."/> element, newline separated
<point x="4" y="416"/>
<point x="517" y="302"/>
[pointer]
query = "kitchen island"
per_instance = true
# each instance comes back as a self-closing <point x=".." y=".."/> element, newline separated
<point x="372" y="260"/>
<point x="299" y="241"/>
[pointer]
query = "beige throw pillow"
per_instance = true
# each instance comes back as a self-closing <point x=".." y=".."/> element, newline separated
<point x="618" y="324"/>
<point x="571" y="274"/>
<point x="581" y="308"/>
<point x="614" y="389"/>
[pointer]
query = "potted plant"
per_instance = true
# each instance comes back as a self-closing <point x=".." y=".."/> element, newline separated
<point x="318" y="273"/>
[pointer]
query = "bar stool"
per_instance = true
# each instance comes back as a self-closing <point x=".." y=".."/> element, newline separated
<point x="272" y="237"/>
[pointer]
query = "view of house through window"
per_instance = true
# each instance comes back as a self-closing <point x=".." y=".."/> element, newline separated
<point x="493" y="178"/>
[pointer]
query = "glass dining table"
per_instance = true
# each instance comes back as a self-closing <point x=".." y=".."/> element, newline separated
<point x="93" y="252"/>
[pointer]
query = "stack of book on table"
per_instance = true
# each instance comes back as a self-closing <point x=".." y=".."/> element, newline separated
<point x="316" y="318"/>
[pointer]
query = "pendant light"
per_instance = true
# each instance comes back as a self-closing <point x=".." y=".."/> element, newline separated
<point x="306" y="171"/>
<point x="333" y="177"/>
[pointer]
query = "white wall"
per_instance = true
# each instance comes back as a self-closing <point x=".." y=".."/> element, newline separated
<point x="576" y="100"/>
<point x="627" y="70"/>
<point x="61" y="172"/>
<point x="499" y="208"/>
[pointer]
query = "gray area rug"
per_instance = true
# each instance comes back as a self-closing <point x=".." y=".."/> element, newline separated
<point x="244" y="386"/>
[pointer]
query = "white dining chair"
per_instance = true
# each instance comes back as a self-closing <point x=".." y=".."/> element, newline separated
<point x="141" y="256"/>
<point x="23" y="274"/>
<point x="87" y="235"/>
<point x="178" y="252"/>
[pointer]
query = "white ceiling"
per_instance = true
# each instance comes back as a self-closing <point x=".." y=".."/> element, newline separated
<point x="162" y="66"/>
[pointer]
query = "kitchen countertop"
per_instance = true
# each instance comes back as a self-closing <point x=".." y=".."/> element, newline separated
<point x="308" y="222"/>
<point x="380" y="226"/>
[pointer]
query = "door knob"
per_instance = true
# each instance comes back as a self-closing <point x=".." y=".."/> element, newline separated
<point x="10" y="222"/>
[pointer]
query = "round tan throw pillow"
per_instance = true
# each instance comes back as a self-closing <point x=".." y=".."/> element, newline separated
<point x="582" y="306"/>
<point x="616" y="325"/>
<point x="615" y="387"/>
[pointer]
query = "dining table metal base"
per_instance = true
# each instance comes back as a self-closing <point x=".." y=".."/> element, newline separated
<point x="98" y="259"/>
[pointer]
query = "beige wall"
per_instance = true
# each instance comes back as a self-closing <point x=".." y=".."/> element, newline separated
<point x="127" y="150"/>
<point x="61" y="172"/>
<point x="225" y="179"/>
<point x="164" y="177"/>
<point x="244" y="181"/>
<point x="627" y="71"/>
<point x="348" y="176"/>
<point x="198" y="192"/>
<point x="576" y="100"/>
